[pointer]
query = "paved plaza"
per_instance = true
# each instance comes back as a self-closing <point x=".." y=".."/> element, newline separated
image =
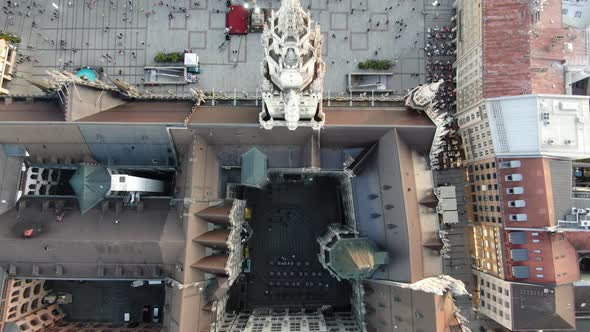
<point x="124" y="36"/>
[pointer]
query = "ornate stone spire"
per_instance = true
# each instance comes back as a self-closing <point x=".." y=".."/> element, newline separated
<point x="423" y="95"/>
<point x="292" y="69"/>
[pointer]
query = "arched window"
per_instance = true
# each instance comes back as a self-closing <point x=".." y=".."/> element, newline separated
<point x="24" y="307"/>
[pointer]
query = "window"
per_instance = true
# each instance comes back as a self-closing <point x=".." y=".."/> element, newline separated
<point x="564" y="11"/>
<point x="536" y="251"/>
<point x="539" y="275"/>
<point x="535" y="234"/>
<point x="539" y="268"/>
<point x="506" y="292"/>
<point x="506" y="303"/>
<point x="578" y="13"/>
<point x="536" y="240"/>
<point x="121" y="179"/>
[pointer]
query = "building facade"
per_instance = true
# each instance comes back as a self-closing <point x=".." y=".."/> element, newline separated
<point x="525" y="307"/>
<point x="520" y="127"/>
<point x="7" y="61"/>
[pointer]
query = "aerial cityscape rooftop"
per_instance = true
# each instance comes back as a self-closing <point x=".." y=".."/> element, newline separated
<point x="294" y="165"/>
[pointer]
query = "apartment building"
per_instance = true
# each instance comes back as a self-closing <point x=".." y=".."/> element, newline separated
<point x="525" y="307"/>
<point x="522" y="130"/>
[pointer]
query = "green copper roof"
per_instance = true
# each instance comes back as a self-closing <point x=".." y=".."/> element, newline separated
<point x="91" y="184"/>
<point x="355" y="258"/>
<point x="253" y="167"/>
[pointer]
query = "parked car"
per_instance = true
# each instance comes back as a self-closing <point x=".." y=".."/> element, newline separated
<point x="145" y="314"/>
<point x="156" y="312"/>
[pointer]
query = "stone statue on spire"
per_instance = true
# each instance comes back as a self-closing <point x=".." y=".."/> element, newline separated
<point x="292" y="69"/>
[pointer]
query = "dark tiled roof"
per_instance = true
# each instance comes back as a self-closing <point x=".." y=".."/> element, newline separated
<point x="537" y="307"/>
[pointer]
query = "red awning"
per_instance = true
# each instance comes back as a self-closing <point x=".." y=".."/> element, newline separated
<point x="237" y="20"/>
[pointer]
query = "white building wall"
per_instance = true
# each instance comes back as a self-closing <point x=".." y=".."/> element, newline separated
<point x="576" y="13"/>
<point x="495" y="299"/>
<point x="474" y="128"/>
<point x="469" y="79"/>
<point x="129" y="183"/>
